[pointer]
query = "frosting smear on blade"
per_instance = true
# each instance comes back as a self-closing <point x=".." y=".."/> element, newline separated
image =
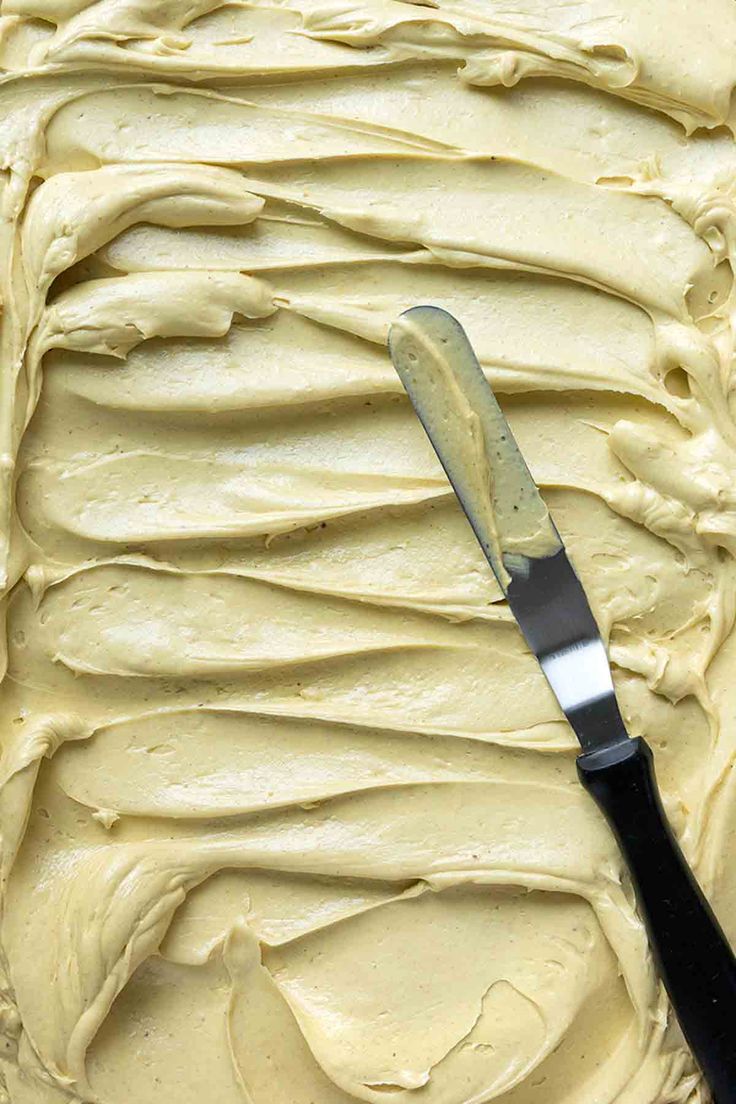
<point x="288" y="814"/>
<point x="466" y="426"/>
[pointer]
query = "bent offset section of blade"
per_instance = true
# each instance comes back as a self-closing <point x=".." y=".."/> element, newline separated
<point x="477" y="449"/>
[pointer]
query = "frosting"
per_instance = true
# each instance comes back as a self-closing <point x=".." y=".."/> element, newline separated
<point x="288" y="813"/>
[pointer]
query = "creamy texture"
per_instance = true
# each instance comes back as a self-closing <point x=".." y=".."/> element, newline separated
<point x="288" y="813"/>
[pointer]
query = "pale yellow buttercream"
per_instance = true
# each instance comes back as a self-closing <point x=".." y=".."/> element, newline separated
<point x="288" y="814"/>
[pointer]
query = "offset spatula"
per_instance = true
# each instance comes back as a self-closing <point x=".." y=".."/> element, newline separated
<point x="470" y="435"/>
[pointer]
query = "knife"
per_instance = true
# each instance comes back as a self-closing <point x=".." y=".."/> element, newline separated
<point x="476" y="447"/>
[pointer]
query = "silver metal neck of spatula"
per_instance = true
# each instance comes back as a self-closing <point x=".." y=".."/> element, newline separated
<point x="553" y="613"/>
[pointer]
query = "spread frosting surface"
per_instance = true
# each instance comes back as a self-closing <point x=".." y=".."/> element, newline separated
<point x="288" y="814"/>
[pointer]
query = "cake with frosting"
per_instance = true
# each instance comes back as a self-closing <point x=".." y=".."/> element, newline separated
<point x="288" y="814"/>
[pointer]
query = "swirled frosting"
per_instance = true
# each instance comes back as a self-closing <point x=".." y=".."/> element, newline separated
<point x="287" y="812"/>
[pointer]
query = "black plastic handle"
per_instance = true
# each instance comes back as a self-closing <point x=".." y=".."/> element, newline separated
<point x="694" y="958"/>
